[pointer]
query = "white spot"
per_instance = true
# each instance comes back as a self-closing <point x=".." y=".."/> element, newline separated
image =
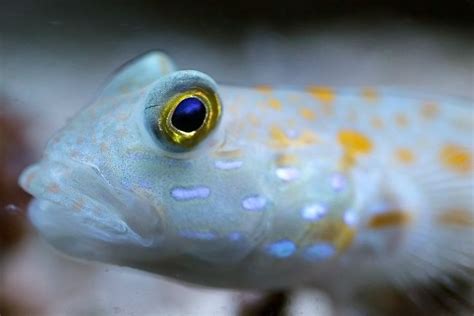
<point x="350" y="217"/>
<point x="254" y="203"/>
<point x="338" y="182"/>
<point x="314" y="212"/>
<point x="292" y="133"/>
<point x="228" y="165"/>
<point x="190" y="193"/>
<point x="287" y="173"/>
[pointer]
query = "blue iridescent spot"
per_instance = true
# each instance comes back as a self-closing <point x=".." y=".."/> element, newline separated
<point x="281" y="249"/>
<point x="198" y="235"/>
<point x="189" y="115"/>
<point x="235" y="236"/>
<point x="254" y="203"/>
<point x="318" y="252"/>
<point x="314" y="212"/>
<point x="190" y="193"/>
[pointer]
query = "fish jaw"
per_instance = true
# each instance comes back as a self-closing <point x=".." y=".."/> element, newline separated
<point x="84" y="215"/>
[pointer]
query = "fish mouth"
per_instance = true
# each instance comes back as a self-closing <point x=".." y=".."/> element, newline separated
<point x="84" y="214"/>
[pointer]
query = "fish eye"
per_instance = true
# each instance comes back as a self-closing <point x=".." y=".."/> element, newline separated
<point x="188" y="118"/>
<point x="189" y="115"/>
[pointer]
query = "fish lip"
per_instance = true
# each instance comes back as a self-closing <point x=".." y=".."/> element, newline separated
<point x="106" y="210"/>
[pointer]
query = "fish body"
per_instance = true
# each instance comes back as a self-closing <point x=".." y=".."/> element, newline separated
<point x="333" y="188"/>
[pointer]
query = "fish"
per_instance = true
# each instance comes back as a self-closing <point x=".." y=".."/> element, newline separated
<point x="349" y="190"/>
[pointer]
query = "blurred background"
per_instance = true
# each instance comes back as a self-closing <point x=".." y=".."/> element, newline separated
<point x="55" y="55"/>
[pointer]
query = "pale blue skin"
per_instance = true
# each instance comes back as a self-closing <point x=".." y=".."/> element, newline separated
<point x="104" y="191"/>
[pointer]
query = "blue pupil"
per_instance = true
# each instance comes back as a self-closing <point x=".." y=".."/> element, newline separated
<point x="189" y="115"/>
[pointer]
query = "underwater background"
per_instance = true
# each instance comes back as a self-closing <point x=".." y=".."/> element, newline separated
<point x="56" y="55"/>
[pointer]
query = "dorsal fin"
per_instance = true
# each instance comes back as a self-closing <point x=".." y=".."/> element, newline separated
<point x="139" y="72"/>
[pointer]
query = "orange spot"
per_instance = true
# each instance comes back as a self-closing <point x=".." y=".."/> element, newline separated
<point x="376" y="122"/>
<point x="104" y="147"/>
<point x="254" y="120"/>
<point x="263" y="88"/>
<point x="405" y="156"/>
<point x="457" y="217"/>
<point x="323" y="94"/>
<point x="234" y="109"/>
<point x="429" y="110"/>
<point x="231" y="153"/>
<point x="347" y="161"/>
<point x="278" y="135"/>
<point x="280" y="139"/>
<point x="456" y="158"/>
<point x="345" y="237"/>
<point x="401" y="120"/>
<point x="355" y="142"/>
<point x="308" y="114"/>
<point x="30" y="178"/>
<point x="286" y="160"/>
<point x="387" y="219"/>
<point x="370" y="95"/>
<point x="78" y="205"/>
<point x="274" y="104"/>
<point x="307" y="138"/>
<point x="53" y="188"/>
<point x="334" y="231"/>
